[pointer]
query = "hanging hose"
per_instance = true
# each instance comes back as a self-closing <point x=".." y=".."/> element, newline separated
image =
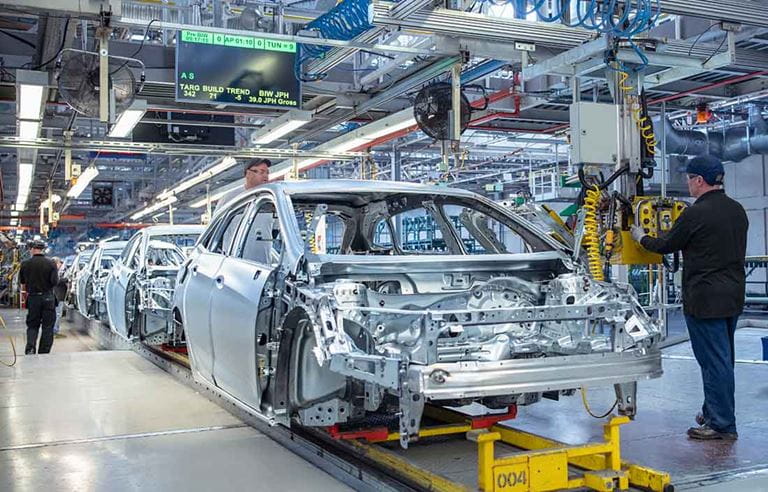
<point x="310" y="239"/>
<point x="13" y="345"/>
<point x="592" y="233"/>
<point x="589" y="411"/>
<point x="642" y="121"/>
<point x="599" y="183"/>
<point x="345" y="21"/>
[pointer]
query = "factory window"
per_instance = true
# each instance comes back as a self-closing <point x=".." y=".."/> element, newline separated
<point x="263" y="243"/>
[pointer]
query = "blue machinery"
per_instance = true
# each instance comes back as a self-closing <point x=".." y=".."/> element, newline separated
<point x="623" y="20"/>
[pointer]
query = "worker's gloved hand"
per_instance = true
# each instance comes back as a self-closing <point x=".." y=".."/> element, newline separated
<point x="637" y="233"/>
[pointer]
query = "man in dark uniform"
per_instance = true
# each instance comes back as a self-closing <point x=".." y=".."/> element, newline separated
<point x="712" y="234"/>
<point x="39" y="275"/>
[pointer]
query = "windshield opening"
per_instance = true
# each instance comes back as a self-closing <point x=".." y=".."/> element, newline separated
<point x="409" y="224"/>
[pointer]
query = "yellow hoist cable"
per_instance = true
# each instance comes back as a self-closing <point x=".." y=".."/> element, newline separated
<point x="592" y="233"/>
<point x="644" y="123"/>
<point x="312" y="240"/>
<point x="13" y="345"/>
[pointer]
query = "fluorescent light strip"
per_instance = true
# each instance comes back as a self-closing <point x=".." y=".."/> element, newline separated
<point x="203" y="201"/>
<point x="387" y="130"/>
<point x="29" y="130"/>
<point x="281" y="126"/>
<point x="26" y="172"/>
<point x="30" y="101"/>
<point x="83" y="181"/>
<point x="152" y="208"/>
<point x="128" y="119"/>
<point x="225" y="164"/>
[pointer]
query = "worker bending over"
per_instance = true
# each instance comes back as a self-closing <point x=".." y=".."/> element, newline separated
<point x="712" y="234"/>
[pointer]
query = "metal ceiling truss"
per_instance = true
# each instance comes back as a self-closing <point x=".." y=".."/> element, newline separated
<point x="171" y="148"/>
<point x="290" y="38"/>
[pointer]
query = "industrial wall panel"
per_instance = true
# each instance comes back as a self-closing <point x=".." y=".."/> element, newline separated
<point x="747" y="182"/>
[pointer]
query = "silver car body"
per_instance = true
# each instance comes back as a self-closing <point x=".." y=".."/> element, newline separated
<point x="92" y="279"/>
<point x="75" y="271"/>
<point x="147" y="268"/>
<point x="295" y="333"/>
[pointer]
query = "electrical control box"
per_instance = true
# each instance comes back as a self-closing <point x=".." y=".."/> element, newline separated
<point x="595" y="133"/>
<point x="655" y="215"/>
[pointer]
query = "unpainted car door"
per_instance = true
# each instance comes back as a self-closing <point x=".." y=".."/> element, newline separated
<point x="117" y="284"/>
<point x="238" y="303"/>
<point x="196" y="282"/>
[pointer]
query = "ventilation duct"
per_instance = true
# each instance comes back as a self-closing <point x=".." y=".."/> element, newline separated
<point x="733" y="145"/>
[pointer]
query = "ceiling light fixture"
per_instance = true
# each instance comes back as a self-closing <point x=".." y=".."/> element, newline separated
<point x="204" y="201"/>
<point x="83" y="181"/>
<point x="223" y="165"/>
<point x="26" y="172"/>
<point x="54" y="199"/>
<point x="281" y="126"/>
<point x="128" y="119"/>
<point x="29" y="130"/>
<point x="152" y="208"/>
<point x="31" y="93"/>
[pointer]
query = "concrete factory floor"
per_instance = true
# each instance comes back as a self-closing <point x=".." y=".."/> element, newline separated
<point x="79" y="419"/>
<point x="83" y="419"/>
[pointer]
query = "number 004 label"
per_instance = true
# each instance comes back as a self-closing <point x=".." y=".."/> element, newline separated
<point x="511" y="478"/>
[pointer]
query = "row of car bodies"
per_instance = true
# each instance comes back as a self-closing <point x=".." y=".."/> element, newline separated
<point x="321" y="302"/>
<point x="129" y="284"/>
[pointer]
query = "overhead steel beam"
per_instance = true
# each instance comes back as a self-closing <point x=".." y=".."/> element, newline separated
<point x="738" y="11"/>
<point x="402" y="9"/>
<point x="483" y="27"/>
<point x="168" y="148"/>
<point x="422" y="76"/>
<point x="478" y="26"/>
<point x="286" y="37"/>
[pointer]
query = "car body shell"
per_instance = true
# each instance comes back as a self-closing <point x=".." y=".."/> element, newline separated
<point x="302" y="335"/>
<point x="75" y="271"/>
<point x="92" y="279"/>
<point x="134" y="269"/>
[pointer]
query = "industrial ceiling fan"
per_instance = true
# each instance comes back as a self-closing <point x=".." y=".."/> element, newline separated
<point x="79" y="80"/>
<point x="432" y="110"/>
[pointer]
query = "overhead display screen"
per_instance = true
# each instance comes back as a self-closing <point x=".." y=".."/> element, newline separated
<point x="240" y="70"/>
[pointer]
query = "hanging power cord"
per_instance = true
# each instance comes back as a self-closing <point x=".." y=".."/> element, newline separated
<point x="13" y="345"/>
<point x="589" y="410"/>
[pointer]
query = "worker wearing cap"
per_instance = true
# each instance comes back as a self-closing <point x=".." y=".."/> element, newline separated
<point x="256" y="173"/>
<point x="38" y="275"/>
<point x="712" y="234"/>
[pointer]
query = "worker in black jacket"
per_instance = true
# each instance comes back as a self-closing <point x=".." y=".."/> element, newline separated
<point x="38" y="275"/>
<point x="712" y="234"/>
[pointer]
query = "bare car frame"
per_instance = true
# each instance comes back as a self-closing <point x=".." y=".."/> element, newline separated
<point x="322" y="301"/>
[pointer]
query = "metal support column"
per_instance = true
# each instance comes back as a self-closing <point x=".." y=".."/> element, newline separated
<point x="104" y="75"/>
<point x="456" y="102"/>
<point x="664" y="170"/>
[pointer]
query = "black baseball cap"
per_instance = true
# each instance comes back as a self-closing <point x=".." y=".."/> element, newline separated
<point x="36" y="244"/>
<point x="257" y="162"/>
<point x="708" y="167"/>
